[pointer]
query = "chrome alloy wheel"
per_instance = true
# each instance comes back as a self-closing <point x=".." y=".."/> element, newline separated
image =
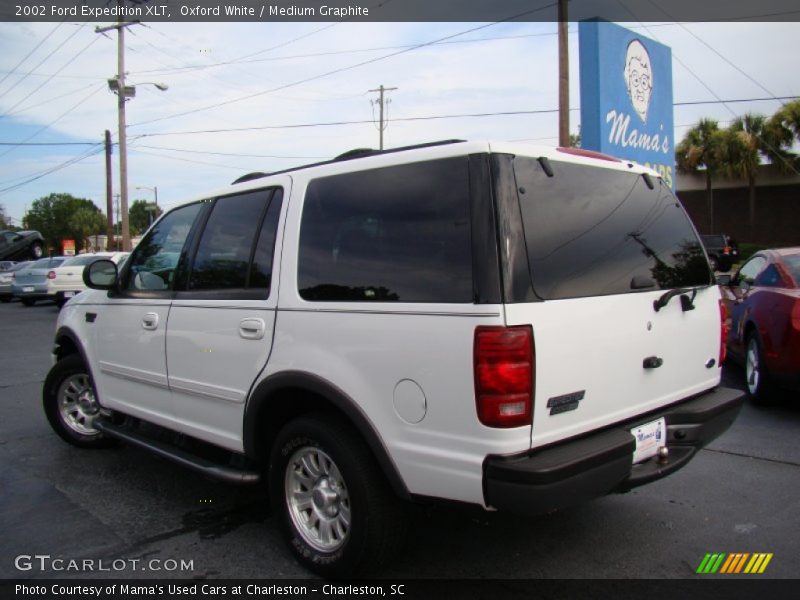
<point x="77" y="405"/>
<point x="753" y="367"/>
<point x="317" y="499"/>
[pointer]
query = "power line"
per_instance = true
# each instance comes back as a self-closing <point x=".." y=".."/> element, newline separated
<point x="341" y="69"/>
<point x="351" y="51"/>
<point x="49" y="100"/>
<point x="54" y="121"/>
<point x="230" y="153"/>
<point x="41" y="62"/>
<point x="35" y="48"/>
<point x="423" y="118"/>
<point x="48" y="143"/>
<point x="34" y="177"/>
<point x="197" y="162"/>
<point x="46" y="81"/>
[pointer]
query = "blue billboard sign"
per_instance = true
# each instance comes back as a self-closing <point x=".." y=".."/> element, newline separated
<point x="626" y="96"/>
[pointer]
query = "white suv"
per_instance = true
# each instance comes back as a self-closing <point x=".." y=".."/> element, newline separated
<point x="508" y="326"/>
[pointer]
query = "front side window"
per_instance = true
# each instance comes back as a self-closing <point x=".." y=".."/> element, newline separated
<point x="236" y="247"/>
<point x="592" y="231"/>
<point x="153" y="264"/>
<point x="395" y="234"/>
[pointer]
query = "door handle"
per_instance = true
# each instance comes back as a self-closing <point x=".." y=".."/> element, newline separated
<point x="252" y="329"/>
<point x="150" y="321"/>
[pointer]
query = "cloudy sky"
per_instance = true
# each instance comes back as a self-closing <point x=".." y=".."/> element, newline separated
<point x="270" y="78"/>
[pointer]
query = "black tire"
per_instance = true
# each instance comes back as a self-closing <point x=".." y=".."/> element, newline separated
<point x="28" y="301"/>
<point x="5" y="299"/>
<point x="349" y="498"/>
<point x="756" y="377"/>
<point x="36" y="250"/>
<point x="69" y="403"/>
<point x="60" y="302"/>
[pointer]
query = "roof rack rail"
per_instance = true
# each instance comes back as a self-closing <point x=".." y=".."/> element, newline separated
<point x="249" y="177"/>
<point x="349" y="155"/>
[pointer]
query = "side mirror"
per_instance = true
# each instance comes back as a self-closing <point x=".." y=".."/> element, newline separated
<point x="100" y="275"/>
<point x="724" y="280"/>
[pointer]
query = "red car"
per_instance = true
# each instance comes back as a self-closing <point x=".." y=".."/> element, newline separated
<point x="763" y="302"/>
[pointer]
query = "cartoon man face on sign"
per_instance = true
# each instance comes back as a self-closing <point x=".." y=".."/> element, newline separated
<point x="639" y="78"/>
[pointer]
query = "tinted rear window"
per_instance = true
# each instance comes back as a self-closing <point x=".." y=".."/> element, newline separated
<point x="594" y="232"/>
<point x="396" y="234"/>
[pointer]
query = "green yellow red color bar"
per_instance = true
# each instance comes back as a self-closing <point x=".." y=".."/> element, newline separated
<point x="735" y="562"/>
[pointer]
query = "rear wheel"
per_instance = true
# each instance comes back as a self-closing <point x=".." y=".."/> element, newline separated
<point x="71" y="405"/>
<point x="336" y="509"/>
<point x="28" y="301"/>
<point x="756" y="378"/>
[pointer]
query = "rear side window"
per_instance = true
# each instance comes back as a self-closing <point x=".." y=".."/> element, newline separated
<point x="397" y="234"/>
<point x="594" y="232"/>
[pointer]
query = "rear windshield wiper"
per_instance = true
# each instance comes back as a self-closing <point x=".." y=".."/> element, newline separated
<point x="687" y="303"/>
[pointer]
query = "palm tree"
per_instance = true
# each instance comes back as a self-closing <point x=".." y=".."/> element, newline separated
<point x="699" y="151"/>
<point x="786" y="122"/>
<point x="742" y="146"/>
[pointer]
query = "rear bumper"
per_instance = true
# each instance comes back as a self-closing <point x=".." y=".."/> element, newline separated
<point x="578" y="470"/>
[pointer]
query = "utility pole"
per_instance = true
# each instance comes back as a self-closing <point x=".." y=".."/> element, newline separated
<point x="382" y="103"/>
<point x="123" y="92"/>
<point x="116" y="202"/>
<point x="109" y="198"/>
<point x="563" y="74"/>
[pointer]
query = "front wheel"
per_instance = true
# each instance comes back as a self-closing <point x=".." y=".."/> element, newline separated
<point x="336" y="509"/>
<point x="70" y="404"/>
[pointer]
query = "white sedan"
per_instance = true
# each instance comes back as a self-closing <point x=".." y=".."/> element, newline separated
<point x="66" y="281"/>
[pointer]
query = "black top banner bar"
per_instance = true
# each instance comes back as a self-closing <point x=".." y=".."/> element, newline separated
<point x="630" y="11"/>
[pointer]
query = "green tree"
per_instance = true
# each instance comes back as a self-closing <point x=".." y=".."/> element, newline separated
<point x="744" y="143"/>
<point x="785" y="123"/>
<point x="4" y="224"/>
<point x="699" y="151"/>
<point x="60" y="217"/>
<point x="141" y="214"/>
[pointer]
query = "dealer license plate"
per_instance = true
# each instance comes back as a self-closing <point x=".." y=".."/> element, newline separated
<point x="649" y="438"/>
<point x="27" y="289"/>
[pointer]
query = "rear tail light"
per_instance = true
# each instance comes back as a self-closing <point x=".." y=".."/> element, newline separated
<point x="796" y="315"/>
<point x="723" y="332"/>
<point x="504" y="374"/>
<point x="51" y="275"/>
<point x="726" y="250"/>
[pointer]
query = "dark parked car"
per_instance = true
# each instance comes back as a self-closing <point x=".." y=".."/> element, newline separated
<point x="763" y="300"/>
<point x="21" y="245"/>
<point x="722" y="251"/>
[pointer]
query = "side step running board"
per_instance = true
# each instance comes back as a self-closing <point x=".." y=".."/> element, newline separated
<point x="196" y="463"/>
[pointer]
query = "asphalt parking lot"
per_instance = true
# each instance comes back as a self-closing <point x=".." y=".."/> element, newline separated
<point x="742" y="494"/>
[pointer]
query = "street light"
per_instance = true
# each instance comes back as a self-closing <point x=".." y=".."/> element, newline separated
<point x="154" y="189"/>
